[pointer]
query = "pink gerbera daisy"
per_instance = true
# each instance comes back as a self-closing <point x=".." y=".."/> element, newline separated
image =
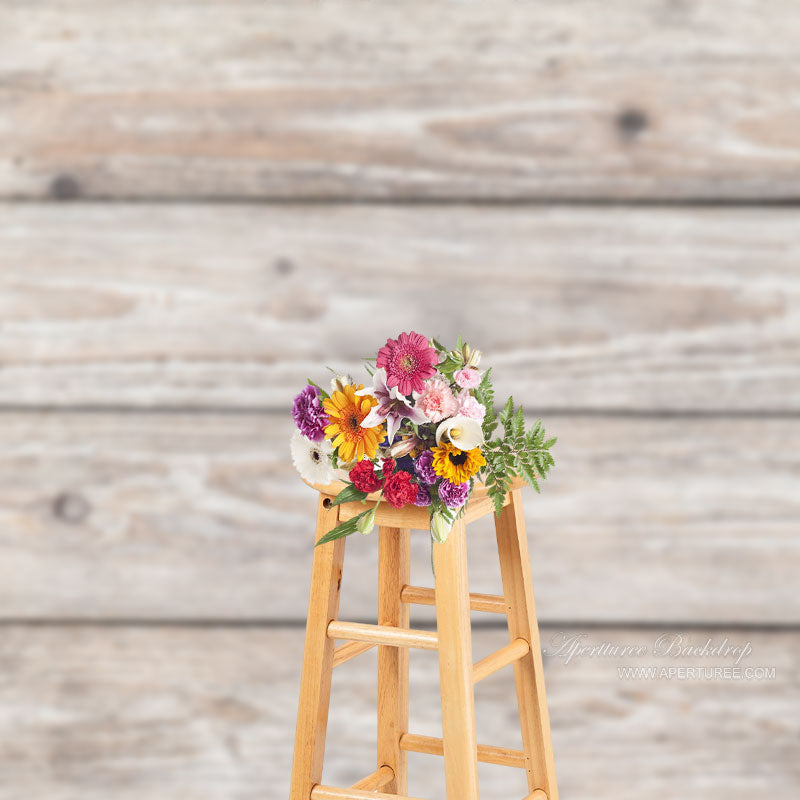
<point x="408" y="361"/>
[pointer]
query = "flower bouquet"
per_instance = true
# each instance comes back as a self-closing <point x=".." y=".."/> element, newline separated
<point x="420" y="434"/>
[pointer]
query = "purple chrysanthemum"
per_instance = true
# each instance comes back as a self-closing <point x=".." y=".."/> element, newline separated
<point x="423" y="498"/>
<point x="454" y="495"/>
<point x="423" y="466"/>
<point x="308" y="414"/>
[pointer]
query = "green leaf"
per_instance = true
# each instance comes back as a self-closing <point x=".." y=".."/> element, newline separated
<point x="344" y="529"/>
<point x="448" y="366"/>
<point x="348" y="495"/>
<point x="322" y="392"/>
<point x="508" y="410"/>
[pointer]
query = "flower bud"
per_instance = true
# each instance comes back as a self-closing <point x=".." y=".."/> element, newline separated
<point x="474" y="358"/>
<point x="339" y="382"/>
<point x="440" y="528"/>
<point x="402" y="448"/>
<point x="366" y="523"/>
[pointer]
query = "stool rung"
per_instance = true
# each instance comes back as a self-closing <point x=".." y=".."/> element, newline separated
<point x="332" y="793"/>
<point x="499" y="659"/>
<point x="383" y="634"/>
<point x="421" y="596"/>
<point x="376" y="781"/>
<point x="350" y="650"/>
<point x="414" y="743"/>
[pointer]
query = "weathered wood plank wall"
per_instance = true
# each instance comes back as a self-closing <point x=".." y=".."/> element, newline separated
<point x="580" y="309"/>
<point x="199" y="516"/>
<point x="154" y="713"/>
<point x="265" y="188"/>
<point x="657" y="99"/>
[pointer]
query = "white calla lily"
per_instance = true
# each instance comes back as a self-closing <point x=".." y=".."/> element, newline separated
<point x="463" y="432"/>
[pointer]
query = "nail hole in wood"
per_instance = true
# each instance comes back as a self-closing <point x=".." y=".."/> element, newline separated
<point x="64" y="187"/>
<point x="71" y="507"/>
<point x="284" y="266"/>
<point x="631" y="122"/>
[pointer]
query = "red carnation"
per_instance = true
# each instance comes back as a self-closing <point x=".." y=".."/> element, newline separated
<point x="387" y="467"/>
<point x="399" y="491"/>
<point x="364" y="478"/>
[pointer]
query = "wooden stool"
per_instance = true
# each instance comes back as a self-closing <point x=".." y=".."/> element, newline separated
<point x="453" y="640"/>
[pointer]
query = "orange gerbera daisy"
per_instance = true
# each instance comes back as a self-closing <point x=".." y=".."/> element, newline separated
<point x="346" y="411"/>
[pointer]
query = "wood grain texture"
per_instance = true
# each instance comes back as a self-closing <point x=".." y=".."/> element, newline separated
<point x="394" y="565"/>
<point x="523" y="626"/>
<point x="236" y="306"/>
<point x="318" y="653"/>
<point x="159" y="713"/>
<point x="201" y="516"/>
<point x="460" y="746"/>
<point x="293" y="100"/>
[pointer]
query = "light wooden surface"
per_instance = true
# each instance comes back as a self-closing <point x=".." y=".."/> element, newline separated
<point x="411" y="516"/>
<point x="155" y="712"/>
<point x="376" y="781"/>
<point x="652" y="309"/>
<point x="394" y="571"/>
<point x="529" y="100"/>
<point x="523" y="625"/>
<point x="487" y="754"/>
<point x="499" y="659"/>
<point x="317" y="665"/>
<point x="332" y="793"/>
<point x="382" y="635"/>
<point x="455" y="664"/>
<point x="201" y="516"/>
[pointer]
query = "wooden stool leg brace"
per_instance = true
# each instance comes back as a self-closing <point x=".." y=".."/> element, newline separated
<point x="453" y="639"/>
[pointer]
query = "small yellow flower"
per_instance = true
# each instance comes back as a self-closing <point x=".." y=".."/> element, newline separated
<point x="346" y="411"/>
<point x="457" y="466"/>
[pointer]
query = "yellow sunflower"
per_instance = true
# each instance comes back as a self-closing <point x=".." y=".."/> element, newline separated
<point x="457" y="466"/>
<point x="346" y="412"/>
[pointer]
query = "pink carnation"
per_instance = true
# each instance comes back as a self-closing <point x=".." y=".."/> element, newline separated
<point x="467" y="378"/>
<point x="469" y="407"/>
<point x="437" y="400"/>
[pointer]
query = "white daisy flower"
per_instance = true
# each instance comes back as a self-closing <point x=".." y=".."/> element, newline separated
<point x="312" y="459"/>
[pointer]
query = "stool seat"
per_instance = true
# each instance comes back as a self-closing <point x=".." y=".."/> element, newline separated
<point x="479" y="489"/>
<point x="414" y="517"/>
<point x="393" y="637"/>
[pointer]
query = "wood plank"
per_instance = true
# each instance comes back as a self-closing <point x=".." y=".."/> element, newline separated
<point x="198" y="516"/>
<point x="290" y="100"/>
<point x="236" y="306"/>
<point x="88" y="713"/>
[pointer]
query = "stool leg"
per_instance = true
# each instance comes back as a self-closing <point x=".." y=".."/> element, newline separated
<point x="512" y="545"/>
<point x="393" y="574"/>
<point x="455" y="666"/>
<point x="315" y="684"/>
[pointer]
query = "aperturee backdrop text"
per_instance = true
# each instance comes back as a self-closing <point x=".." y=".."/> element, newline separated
<point x="420" y="434"/>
